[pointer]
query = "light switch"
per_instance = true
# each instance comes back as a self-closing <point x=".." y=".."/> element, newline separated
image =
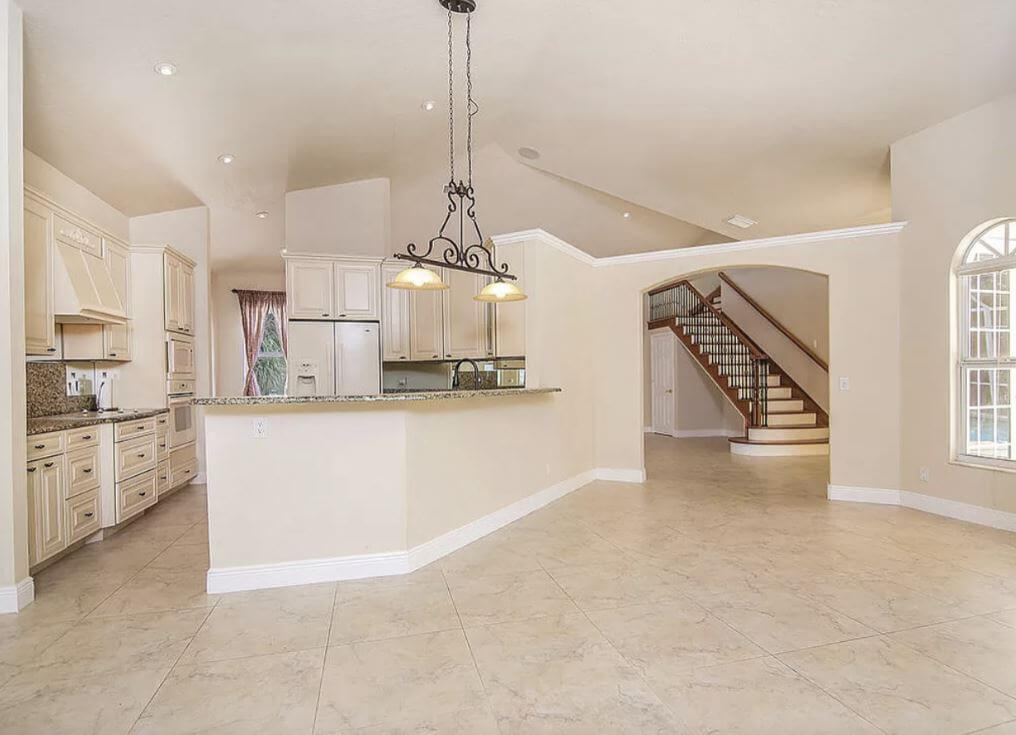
<point x="844" y="383"/>
<point x="260" y="427"/>
<point x="925" y="474"/>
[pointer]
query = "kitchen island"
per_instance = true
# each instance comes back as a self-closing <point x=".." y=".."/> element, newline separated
<point x="305" y="489"/>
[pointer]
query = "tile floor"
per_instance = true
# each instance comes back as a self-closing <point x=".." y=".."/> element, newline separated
<point x="725" y="595"/>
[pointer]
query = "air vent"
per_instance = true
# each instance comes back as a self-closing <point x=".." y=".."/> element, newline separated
<point x="739" y="220"/>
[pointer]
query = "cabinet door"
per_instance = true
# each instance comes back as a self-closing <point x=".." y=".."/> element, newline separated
<point x="46" y="489"/>
<point x="116" y="341"/>
<point x="467" y="321"/>
<point x="394" y="318"/>
<point x="40" y="328"/>
<point x="426" y="332"/>
<point x="173" y="275"/>
<point x="187" y="299"/>
<point x="118" y="262"/>
<point x="356" y="287"/>
<point x="309" y="289"/>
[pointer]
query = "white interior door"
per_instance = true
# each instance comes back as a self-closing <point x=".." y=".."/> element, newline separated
<point x="662" y="366"/>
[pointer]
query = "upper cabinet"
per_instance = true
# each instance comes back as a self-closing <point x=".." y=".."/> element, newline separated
<point x="394" y="317"/>
<point x="467" y="322"/>
<point x="40" y="326"/>
<point x="179" y="293"/>
<point x="426" y="325"/>
<point x="356" y="291"/>
<point x="118" y="263"/>
<point x="324" y="288"/>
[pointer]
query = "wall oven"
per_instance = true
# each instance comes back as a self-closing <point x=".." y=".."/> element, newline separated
<point x="182" y="429"/>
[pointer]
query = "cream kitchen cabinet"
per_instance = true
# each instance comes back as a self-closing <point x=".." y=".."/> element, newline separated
<point x="356" y="291"/>
<point x="426" y="327"/>
<point x="310" y="289"/>
<point x="467" y="322"/>
<point x="179" y="294"/>
<point x="395" y="318"/>
<point x="40" y="327"/>
<point x="47" y="533"/>
<point x="116" y="338"/>
<point x="116" y="341"/>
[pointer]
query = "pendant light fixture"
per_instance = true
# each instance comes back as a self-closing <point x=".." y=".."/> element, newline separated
<point x="475" y="256"/>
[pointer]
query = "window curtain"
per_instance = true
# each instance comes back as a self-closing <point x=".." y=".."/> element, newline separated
<point x="255" y="306"/>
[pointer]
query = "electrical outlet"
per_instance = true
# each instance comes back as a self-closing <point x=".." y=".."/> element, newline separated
<point x="260" y="427"/>
<point x="925" y="474"/>
<point x="844" y="383"/>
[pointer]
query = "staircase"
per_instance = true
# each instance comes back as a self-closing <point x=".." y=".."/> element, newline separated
<point x="780" y="419"/>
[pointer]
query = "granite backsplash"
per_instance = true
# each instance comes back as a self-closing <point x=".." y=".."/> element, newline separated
<point x="46" y="391"/>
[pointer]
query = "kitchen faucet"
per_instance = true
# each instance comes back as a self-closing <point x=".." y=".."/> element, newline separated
<point x="455" y="371"/>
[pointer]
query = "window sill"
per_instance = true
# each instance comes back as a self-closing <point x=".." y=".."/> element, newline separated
<point x="977" y="463"/>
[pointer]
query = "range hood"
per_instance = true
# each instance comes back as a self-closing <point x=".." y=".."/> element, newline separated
<point x="83" y="289"/>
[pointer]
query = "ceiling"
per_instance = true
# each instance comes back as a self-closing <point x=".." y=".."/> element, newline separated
<point x="781" y="110"/>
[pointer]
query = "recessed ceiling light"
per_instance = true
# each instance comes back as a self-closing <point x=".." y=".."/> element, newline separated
<point x="227" y="158"/>
<point x="739" y="220"/>
<point x="261" y="215"/>
<point x="165" y="68"/>
<point x="531" y="153"/>
<point x="429" y="105"/>
<point x="626" y="215"/>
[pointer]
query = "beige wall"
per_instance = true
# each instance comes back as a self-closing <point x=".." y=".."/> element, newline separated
<point x="347" y="219"/>
<point x="799" y="300"/>
<point x="187" y="230"/>
<point x="13" y="493"/>
<point x="865" y="422"/>
<point x="227" y="332"/>
<point x="947" y="180"/>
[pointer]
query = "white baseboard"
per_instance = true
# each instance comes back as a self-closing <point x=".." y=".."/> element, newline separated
<point x="927" y="503"/>
<point x="310" y="571"/>
<point x="620" y="475"/>
<point x="16" y="597"/>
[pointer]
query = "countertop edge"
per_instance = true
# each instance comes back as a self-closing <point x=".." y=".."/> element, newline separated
<point x="381" y="398"/>
<point x="62" y="422"/>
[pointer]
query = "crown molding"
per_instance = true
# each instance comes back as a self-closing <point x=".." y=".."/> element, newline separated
<point x="161" y="249"/>
<point x="374" y="260"/>
<point x="806" y="238"/>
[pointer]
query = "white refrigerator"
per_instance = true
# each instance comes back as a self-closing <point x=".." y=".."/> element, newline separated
<point x="334" y="358"/>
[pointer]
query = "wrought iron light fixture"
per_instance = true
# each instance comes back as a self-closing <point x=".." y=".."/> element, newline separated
<point x="474" y="257"/>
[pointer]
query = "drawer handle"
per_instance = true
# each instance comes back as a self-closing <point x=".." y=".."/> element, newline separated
<point x="112" y="354"/>
<point x="31" y="469"/>
<point x="141" y="455"/>
<point x="40" y="446"/>
<point x="162" y="477"/>
<point x="51" y="349"/>
<point x="324" y="315"/>
<point x="86" y="437"/>
<point x="341" y="315"/>
<point x="89" y="514"/>
<point x="143" y="494"/>
<point x="48" y="464"/>
<point x="87" y="471"/>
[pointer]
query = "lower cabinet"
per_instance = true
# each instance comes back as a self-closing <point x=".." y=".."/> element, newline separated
<point x="136" y="494"/>
<point x="83" y="518"/>
<point x="47" y="486"/>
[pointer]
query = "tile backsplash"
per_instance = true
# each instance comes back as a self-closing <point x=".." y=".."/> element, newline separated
<point x="47" y="390"/>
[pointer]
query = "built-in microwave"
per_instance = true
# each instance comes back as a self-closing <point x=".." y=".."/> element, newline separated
<point x="179" y="357"/>
<point x="182" y="429"/>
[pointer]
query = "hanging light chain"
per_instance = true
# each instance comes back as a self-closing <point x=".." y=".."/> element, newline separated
<point x="471" y="108"/>
<point x="451" y="104"/>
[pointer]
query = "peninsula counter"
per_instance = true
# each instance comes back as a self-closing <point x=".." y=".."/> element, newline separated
<point x="311" y="489"/>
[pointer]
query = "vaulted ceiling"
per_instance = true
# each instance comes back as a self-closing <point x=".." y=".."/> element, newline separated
<point x="781" y="110"/>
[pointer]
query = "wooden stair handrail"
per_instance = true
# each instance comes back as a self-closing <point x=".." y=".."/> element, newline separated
<point x="775" y="322"/>
<point x="753" y="348"/>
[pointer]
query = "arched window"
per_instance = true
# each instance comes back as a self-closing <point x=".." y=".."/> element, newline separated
<point x="987" y="348"/>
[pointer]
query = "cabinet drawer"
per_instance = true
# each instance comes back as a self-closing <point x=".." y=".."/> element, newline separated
<point x="46" y="445"/>
<point x="162" y="446"/>
<point x="82" y="515"/>
<point x="84" y="437"/>
<point x="179" y="387"/>
<point x="128" y="429"/>
<point x="136" y="494"/>
<point x="163" y="478"/>
<point x="74" y="234"/>
<point x="135" y="456"/>
<point x="183" y="475"/>
<point x="183" y="455"/>
<point x="82" y="470"/>
<point x="162" y="422"/>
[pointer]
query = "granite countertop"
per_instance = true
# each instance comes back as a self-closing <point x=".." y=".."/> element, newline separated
<point x="60" y="422"/>
<point x="391" y="397"/>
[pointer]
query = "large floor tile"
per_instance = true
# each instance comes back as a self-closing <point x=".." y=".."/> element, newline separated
<point x="476" y="721"/>
<point x="1006" y="617"/>
<point x="502" y="597"/>
<point x="392" y="681"/>
<point x="663" y="639"/>
<point x="155" y="590"/>
<point x="378" y="609"/>
<point x="756" y="697"/>
<point x="263" y="694"/>
<point x="779" y="620"/>
<point x="493" y="554"/>
<point x="979" y="647"/>
<point x="23" y="638"/>
<point x="900" y="690"/>
<point x="603" y="586"/>
<point x="560" y="675"/>
<point x="235" y="629"/>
